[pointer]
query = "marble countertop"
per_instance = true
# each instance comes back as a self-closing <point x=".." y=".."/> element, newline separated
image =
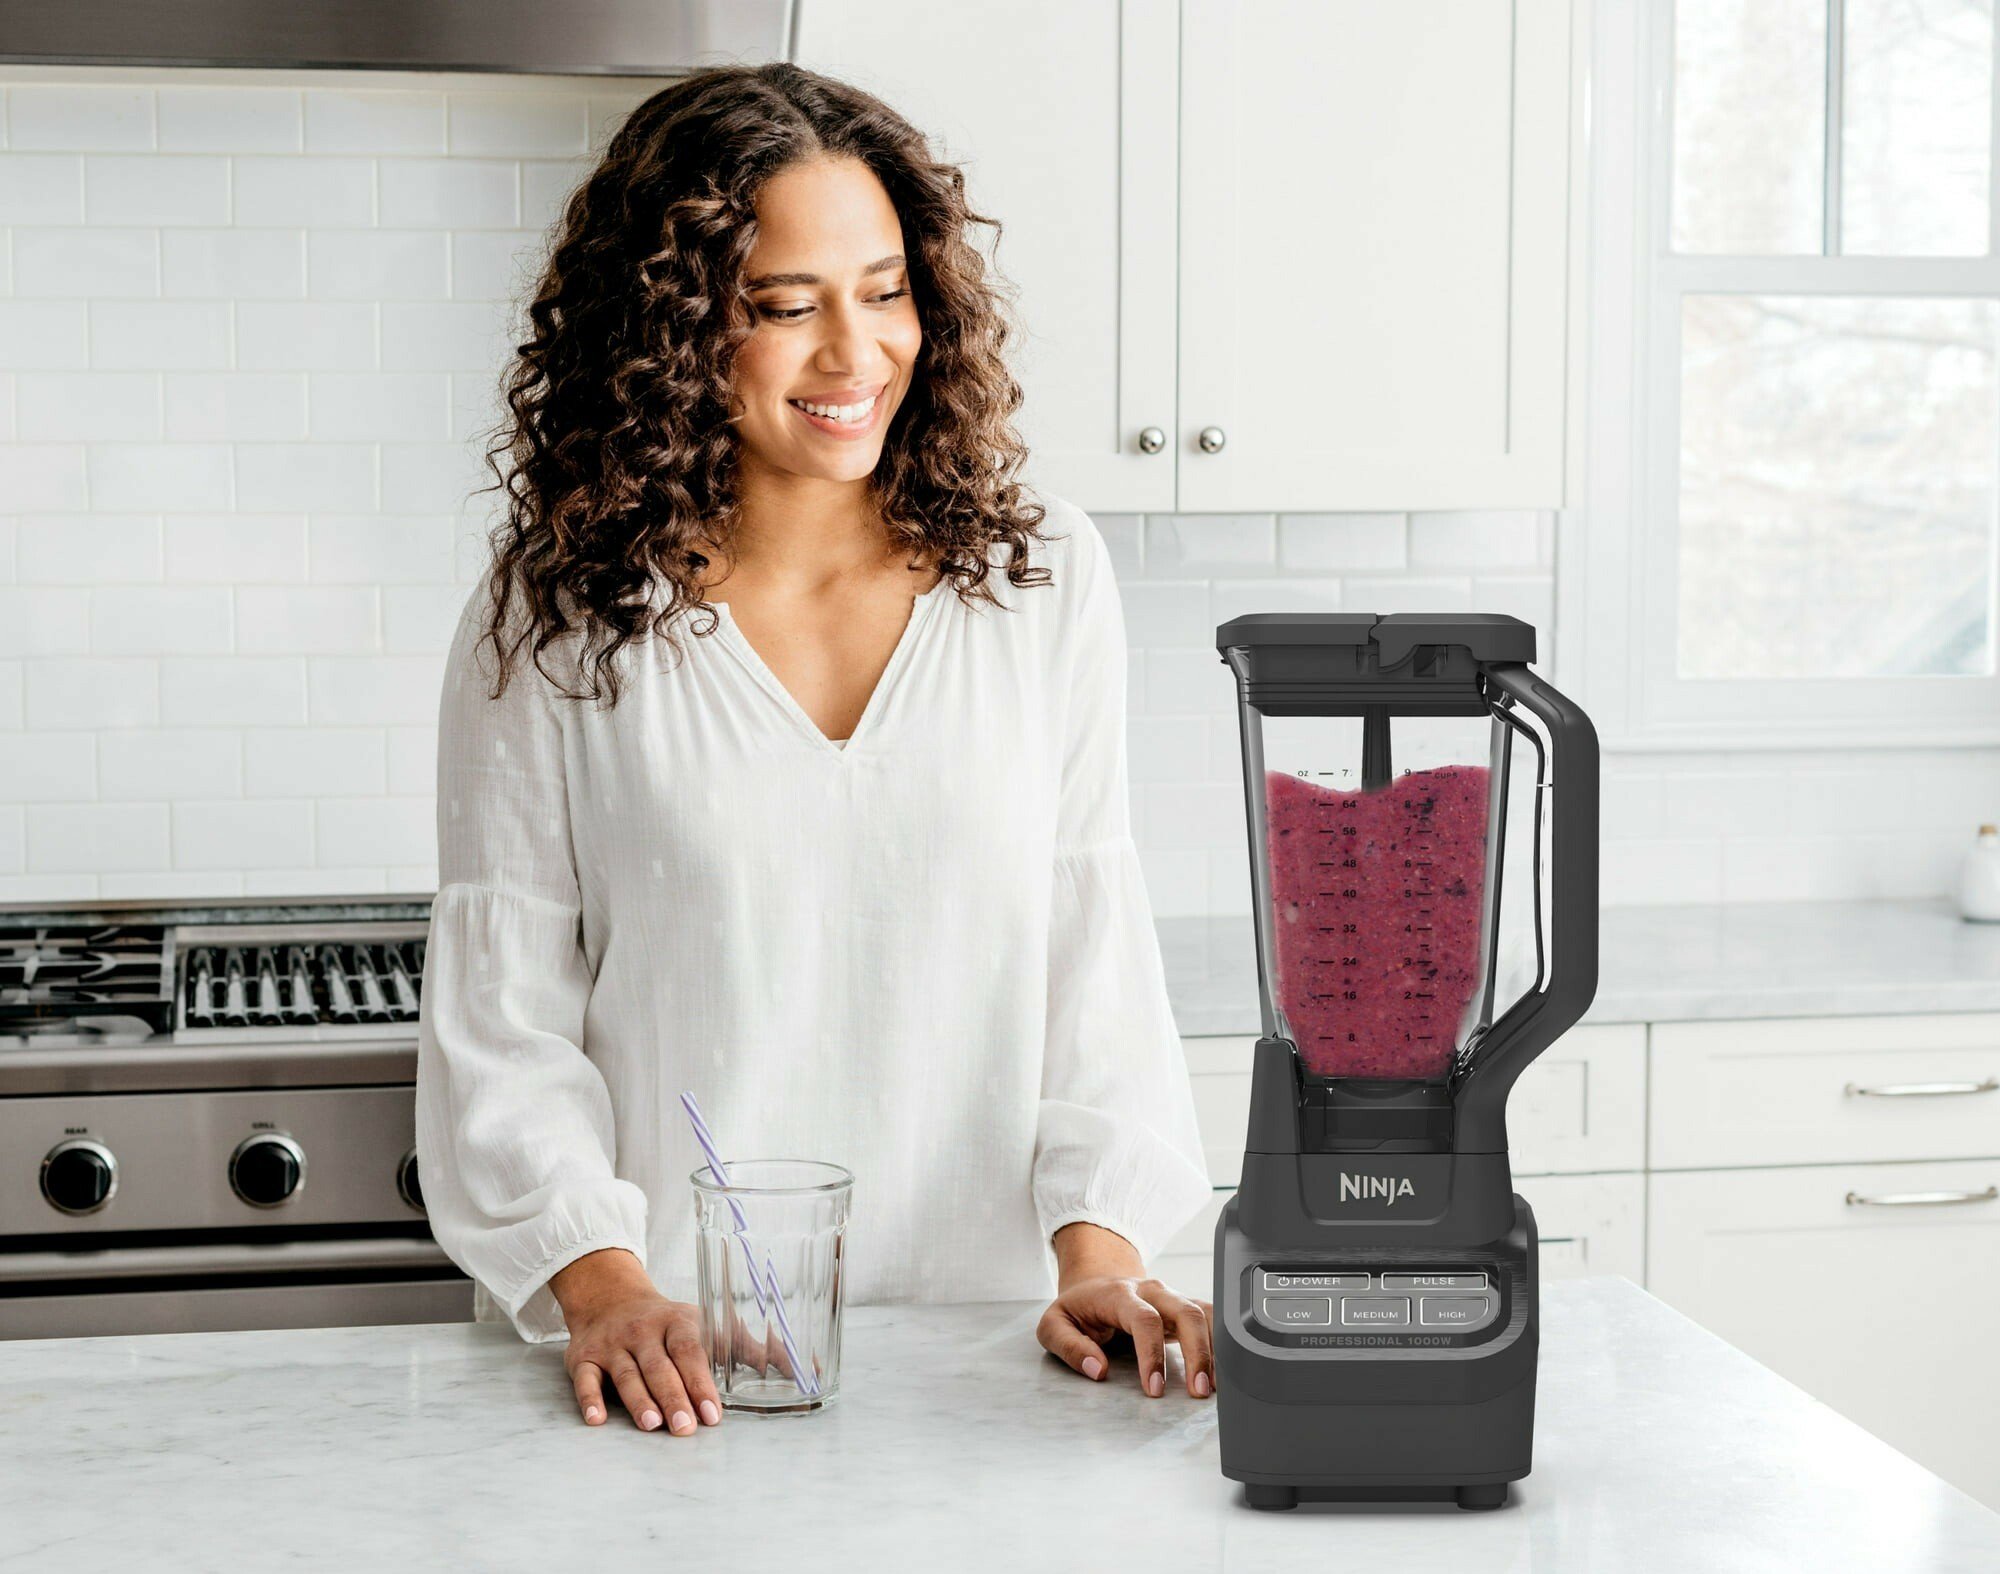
<point x="954" y="1444"/>
<point x="1680" y="963"/>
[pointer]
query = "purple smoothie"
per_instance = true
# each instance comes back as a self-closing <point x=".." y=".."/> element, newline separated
<point x="1376" y="898"/>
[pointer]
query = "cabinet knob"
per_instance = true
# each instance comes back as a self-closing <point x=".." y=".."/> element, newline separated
<point x="1152" y="440"/>
<point x="1211" y="439"/>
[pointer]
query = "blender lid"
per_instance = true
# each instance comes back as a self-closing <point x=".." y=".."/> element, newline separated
<point x="1488" y="636"/>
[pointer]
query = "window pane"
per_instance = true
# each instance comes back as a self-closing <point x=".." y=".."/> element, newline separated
<point x="1837" y="486"/>
<point x="1749" y="125"/>
<point x="1914" y="160"/>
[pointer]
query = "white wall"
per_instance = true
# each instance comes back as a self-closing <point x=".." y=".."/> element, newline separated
<point x="247" y="335"/>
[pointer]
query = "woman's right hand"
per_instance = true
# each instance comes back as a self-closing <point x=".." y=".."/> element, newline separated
<point x="622" y="1328"/>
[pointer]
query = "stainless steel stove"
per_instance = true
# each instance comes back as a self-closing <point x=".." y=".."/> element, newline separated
<point x="207" y="1118"/>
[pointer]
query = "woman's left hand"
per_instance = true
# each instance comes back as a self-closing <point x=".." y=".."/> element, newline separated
<point x="1102" y="1290"/>
<point x="1092" y="1310"/>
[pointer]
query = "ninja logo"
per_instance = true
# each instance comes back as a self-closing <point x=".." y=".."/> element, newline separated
<point x="1362" y="1187"/>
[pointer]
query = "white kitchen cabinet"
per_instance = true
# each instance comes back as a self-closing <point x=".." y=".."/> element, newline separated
<point x="1821" y="1090"/>
<point x="1374" y="250"/>
<point x="1313" y="257"/>
<point x="1072" y="149"/>
<point x="1884" y="1312"/>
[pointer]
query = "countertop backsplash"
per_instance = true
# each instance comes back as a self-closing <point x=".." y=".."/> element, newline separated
<point x="251" y="330"/>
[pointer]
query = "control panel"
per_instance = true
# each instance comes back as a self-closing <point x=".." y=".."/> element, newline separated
<point x="1444" y="1300"/>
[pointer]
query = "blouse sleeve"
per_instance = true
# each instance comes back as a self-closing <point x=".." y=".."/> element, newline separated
<point x="514" y="1126"/>
<point x="1116" y="1141"/>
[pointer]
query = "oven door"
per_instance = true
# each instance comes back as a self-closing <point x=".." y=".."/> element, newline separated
<point x="214" y="1288"/>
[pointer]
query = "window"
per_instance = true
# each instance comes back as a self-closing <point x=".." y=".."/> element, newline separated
<point x="1812" y="374"/>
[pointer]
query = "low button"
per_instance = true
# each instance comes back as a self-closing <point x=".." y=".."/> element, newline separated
<point x="1288" y="1311"/>
<point x="1375" y="1311"/>
<point x="1451" y="1310"/>
<point x="1433" y="1281"/>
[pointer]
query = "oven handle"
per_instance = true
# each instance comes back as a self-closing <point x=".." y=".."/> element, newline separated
<point x="132" y="1262"/>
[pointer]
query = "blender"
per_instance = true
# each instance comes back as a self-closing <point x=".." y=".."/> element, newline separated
<point x="1426" y="917"/>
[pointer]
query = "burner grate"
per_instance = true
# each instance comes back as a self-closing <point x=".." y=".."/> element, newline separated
<point x="56" y="973"/>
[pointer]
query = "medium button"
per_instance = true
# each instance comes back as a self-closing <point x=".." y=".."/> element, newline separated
<point x="1447" y="1311"/>
<point x="1299" y="1311"/>
<point x="1292" y="1283"/>
<point x="1375" y="1311"/>
<point x="1433" y="1281"/>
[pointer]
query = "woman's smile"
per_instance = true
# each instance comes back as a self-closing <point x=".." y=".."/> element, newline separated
<point x="864" y="415"/>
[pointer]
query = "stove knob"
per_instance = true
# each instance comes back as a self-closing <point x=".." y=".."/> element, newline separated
<point x="79" y="1176"/>
<point x="267" y="1169"/>
<point x="408" y="1183"/>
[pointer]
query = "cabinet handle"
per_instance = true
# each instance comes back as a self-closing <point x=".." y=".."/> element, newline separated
<point x="1921" y="1199"/>
<point x="1211" y="439"/>
<point x="1922" y="1090"/>
<point x="1152" y="440"/>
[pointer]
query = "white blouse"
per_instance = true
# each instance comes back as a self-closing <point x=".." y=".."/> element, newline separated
<point x="926" y="954"/>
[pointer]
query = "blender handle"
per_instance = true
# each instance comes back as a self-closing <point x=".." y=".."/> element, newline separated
<point x="1539" y="1018"/>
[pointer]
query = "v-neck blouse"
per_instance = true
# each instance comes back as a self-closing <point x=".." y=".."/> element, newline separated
<point x="925" y="953"/>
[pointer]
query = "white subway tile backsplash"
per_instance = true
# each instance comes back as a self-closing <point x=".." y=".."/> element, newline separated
<point x="430" y="478"/>
<point x="77" y="265"/>
<point x="230" y="120"/>
<point x="37" y="476"/>
<point x="1163" y="613"/>
<point x="374" y="121"/>
<point x="41" y="188"/>
<point x="91" y="694"/>
<point x="98" y="838"/>
<point x="546" y="125"/>
<point x="12" y="707"/>
<point x="154" y="764"/>
<point x="162" y="620"/>
<point x="546" y="187"/>
<point x="378" y="549"/>
<point x="1191" y="682"/>
<point x="79" y="116"/>
<point x="43" y="334"/>
<point x="373" y="265"/>
<point x="170" y="477"/>
<point x="383" y="691"/>
<point x="315" y="762"/>
<point x="1176" y="881"/>
<point x="381" y="406"/>
<point x="7" y="425"/>
<point x="242" y="833"/>
<point x="49" y="767"/>
<point x="13" y="854"/>
<point x="87" y="406"/>
<point x="162" y="189"/>
<point x="233" y="264"/>
<point x="453" y="337"/>
<point x="241" y="549"/>
<point x="377" y="830"/>
<point x="412" y="759"/>
<point x="496" y="265"/>
<point x="87" y="549"/>
<point x="1164" y="748"/>
<point x="170" y="884"/>
<point x="234" y="691"/>
<point x="322" y="192"/>
<point x="1342" y="543"/>
<point x="1638" y="870"/>
<point x="314" y="336"/>
<point x="1187" y="546"/>
<point x="1232" y="598"/>
<point x="450" y="193"/>
<point x="240" y="407"/>
<point x="1390" y="593"/>
<point x="312" y="881"/>
<point x="1485" y="539"/>
<point x="160" y="336"/>
<point x="301" y="620"/>
<point x="283" y="478"/>
<point x="420" y="619"/>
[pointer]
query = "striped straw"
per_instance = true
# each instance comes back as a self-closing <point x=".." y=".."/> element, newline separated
<point x="806" y="1380"/>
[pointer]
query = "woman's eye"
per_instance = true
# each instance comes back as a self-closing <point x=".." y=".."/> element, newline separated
<point x="800" y="311"/>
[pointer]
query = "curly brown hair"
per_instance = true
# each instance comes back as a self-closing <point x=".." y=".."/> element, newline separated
<point x="617" y="448"/>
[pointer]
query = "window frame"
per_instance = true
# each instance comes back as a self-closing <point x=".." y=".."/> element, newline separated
<point x="1618" y="565"/>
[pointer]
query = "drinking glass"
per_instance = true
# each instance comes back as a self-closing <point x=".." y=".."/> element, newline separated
<point x="786" y="1219"/>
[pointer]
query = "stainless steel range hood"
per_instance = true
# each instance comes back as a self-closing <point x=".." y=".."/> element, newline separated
<point x="556" y="37"/>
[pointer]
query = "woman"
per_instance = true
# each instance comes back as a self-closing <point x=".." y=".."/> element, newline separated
<point x="842" y="844"/>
